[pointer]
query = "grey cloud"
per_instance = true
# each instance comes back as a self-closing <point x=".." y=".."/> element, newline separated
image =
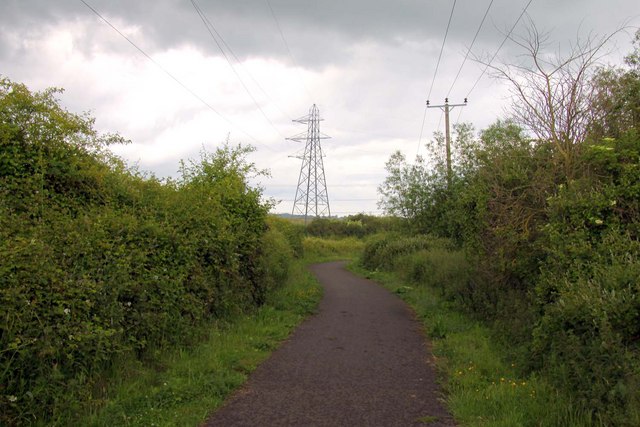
<point x="318" y="32"/>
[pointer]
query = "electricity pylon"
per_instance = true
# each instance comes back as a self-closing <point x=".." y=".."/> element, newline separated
<point x="311" y="195"/>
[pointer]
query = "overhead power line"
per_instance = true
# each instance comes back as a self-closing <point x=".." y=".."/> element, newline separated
<point x="258" y="85"/>
<point x="442" y="49"/>
<point x="435" y="73"/>
<point x="286" y="45"/>
<point x="174" y="78"/>
<point x="211" y="29"/>
<point x="506" y="37"/>
<point x="470" y="47"/>
<point x="504" y="40"/>
<point x="332" y="185"/>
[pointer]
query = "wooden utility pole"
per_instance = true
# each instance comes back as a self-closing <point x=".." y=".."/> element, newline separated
<point x="446" y="107"/>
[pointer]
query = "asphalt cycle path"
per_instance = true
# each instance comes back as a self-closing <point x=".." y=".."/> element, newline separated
<point x="362" y="360"/>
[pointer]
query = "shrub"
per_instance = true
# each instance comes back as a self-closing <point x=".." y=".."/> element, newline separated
<point x="276" y="257"/>
<point x="293" y="232"/>
<point x="99" y="262"/>
<point x="550" y="228"/>
<point x="588" y="339"/>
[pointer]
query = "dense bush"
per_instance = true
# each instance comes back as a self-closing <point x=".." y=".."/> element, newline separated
<point x="292" y="231"/>
<point x="98" y="262"/>
<point x="279" y="246"/>
<point x="588" y="339"/>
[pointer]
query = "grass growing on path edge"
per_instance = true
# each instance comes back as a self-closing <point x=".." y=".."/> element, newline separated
<point x="187" y="386"/>
<point x="481" y="387"/>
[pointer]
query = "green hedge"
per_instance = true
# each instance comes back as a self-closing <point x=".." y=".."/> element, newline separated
<point x="99" y="263"/>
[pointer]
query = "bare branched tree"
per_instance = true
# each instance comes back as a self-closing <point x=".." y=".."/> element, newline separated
<point x="551" y="90"/>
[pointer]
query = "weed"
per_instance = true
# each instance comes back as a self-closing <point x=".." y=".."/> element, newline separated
<point x="428" y="419"/>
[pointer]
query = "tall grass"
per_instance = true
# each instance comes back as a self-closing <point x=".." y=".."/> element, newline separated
<point x="318" y="249"/>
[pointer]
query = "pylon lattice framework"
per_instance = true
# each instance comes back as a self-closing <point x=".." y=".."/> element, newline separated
<point x="311" y="197"/>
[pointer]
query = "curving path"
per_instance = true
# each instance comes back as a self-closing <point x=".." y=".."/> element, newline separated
<point x="361" y="361"/>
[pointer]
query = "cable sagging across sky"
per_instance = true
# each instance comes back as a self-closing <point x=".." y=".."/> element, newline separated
<point x="470" y="47"/>
<point x="286" y="45"/>
<point x="504" y="40"/>
<point x="435" y="73"/>
<point x="506" y="37"/>
<point x="207" y="23"/>
<point x="174" y="78"/>
<point x="235" y="57"/>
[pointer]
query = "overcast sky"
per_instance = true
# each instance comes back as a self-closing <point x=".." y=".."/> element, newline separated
<point x="368" y="65"/>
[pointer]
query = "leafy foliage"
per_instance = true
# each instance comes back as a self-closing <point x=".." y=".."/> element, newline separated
<point x="549" y="228"/>
<point x="99" y="262"/>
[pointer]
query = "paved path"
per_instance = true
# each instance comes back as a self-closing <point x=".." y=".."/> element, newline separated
<point x="361" y="361"/>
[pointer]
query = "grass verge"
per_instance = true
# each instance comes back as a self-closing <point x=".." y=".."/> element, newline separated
<point x="184" y="387"/>
<point x="481" y="387"/>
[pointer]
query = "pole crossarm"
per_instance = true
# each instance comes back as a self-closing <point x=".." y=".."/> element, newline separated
<point x="446" y="104"/>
